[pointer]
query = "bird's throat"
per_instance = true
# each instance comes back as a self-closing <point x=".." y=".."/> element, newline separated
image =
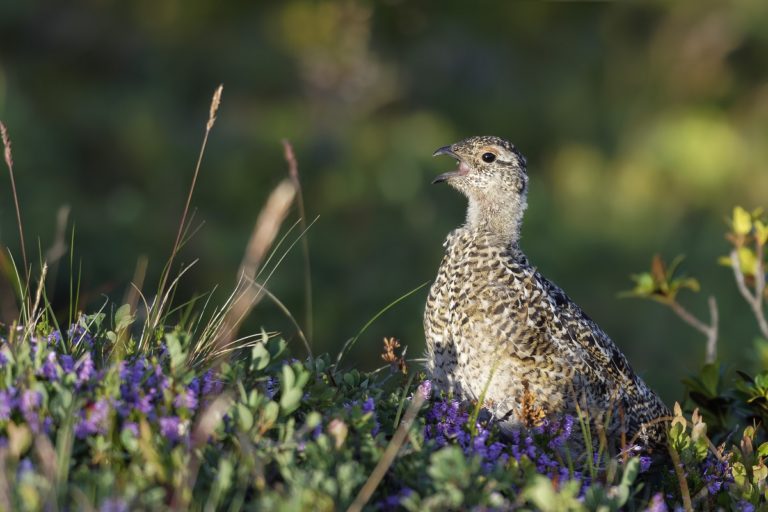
<point x="500" y="220"/>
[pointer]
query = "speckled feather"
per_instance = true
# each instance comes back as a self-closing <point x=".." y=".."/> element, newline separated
<point x="490" y="314"/>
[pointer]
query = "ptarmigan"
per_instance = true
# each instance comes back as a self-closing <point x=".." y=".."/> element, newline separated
<point x="494" y="323"/>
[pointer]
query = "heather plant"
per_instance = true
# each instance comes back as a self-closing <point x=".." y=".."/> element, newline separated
<point x="150" y="406"/>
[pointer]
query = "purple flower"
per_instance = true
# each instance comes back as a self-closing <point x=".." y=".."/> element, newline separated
<point x="560" y="431"/>
<point x="271" y="387"/>
<point x="25" y="466"/>
<point x="94" y="419"/>
<point x="425" y="388"/>
<point x="210" y="383"/>
<point x="29" y="402"/>
<point x="79" y="334"/>
<point x="67" y="363"/>
<point x="657" y="504"/>
<point x="50" y="369"/>
<point x="369" y="405"/>
<point x="172" y="428"/>
<point x="132" y="427"/>
<point x="745" y="506"/>
<point x="114" y="505"/>
<point x="717" y="474"/>
<point x="393" y="501"/>
<point x="3" y="360"/>
<point x="54" y="338"/>
<point x="85" y="370"/>
<point x="6" y="403"/>
<point x="186" y="399"/>
<point x="645" y="463"/>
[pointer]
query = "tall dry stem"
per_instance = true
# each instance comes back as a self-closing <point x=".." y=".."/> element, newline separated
<point x="264" y="233"/>
<point x="214" y="107"/>
<point x="9" y="163"/>
<point x="293" y="172"/>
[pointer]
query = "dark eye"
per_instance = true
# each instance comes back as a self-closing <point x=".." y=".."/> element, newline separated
<point x="488" y="157"/>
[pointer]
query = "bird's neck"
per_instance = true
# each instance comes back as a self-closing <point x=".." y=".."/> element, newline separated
<point x="499" y="220"/>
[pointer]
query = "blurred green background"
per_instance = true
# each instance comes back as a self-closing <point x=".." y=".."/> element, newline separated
<point x="643" y="124"/>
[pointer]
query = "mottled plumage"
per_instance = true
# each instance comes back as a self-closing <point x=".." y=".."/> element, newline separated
<point x="491" y="315"/>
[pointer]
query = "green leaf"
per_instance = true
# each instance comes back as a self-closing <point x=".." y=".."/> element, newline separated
<point x="644" y="284"/>
<point x="290" y="399"/>
<point x="742" y="221"/>
<point x="244" y="418"/>
<point x="288" y="378"/>
<point x="123" y="317"/>
<point x="260" y="357"/>
<point x="270" y="413"/>
<point x="178" y="357"/>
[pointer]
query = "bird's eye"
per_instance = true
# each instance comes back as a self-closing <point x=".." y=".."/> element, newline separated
<point x="488" y="157"/>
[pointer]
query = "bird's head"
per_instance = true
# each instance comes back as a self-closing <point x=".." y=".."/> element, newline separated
<point x="491" y="172"/>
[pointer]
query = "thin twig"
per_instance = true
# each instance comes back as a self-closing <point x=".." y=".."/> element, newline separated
<point x="684" y="490"/>
<point x="710" y="331"/>
<point x="714" y="319"/>
<point x="755" y="301"/>
<point x="9" y="163"/>
<point x="293" y="172"/>
<point x="388" y="457"/>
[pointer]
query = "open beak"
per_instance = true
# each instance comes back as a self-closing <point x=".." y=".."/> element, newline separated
<point x="461" y="170"/>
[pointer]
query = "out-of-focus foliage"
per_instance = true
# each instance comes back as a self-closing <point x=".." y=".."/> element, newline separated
<point x="642" y="123"/>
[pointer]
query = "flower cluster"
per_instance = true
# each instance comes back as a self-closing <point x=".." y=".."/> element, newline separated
<point x="447" y="421"/>
<point x="144" y="390"/>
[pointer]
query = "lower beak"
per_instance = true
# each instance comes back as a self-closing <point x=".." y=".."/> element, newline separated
<point x="444" y="177"/>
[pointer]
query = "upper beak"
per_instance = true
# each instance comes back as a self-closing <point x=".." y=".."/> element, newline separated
<point x="446" y="150"/>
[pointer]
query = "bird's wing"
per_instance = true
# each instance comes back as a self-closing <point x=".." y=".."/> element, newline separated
<point x="585" y="333"/>
<point x="561" y="324"/>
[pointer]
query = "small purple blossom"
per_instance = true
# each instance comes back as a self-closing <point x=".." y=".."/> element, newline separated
<point x="67" y="363"/>
<point x="132" y="427"/>
<point x="25" y="466"/>
<point x="186" y="399"/>
<point x="50" y="369"/>
<point x="559" y="431"/>
<point x="172" y="428"/>
<point x="271" y="387"/>
<point x="745" y="506"/>
<point x="210" y="383"/>
<point x="79" y="334"/>
<point x="85" y="370"/>
<point x="3" y="360"/>
<point x="717" y="474"/>
<point x="114" y="505"/>
<point x="425" y="388"/>
<point x="29" y="403"/>
<point x="6" y="403"/>
<point x="657" y="503"/>
<point x="94" y="419"/>
<point x="393" y="501"/>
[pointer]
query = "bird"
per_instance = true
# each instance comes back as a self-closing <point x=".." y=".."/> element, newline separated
<point x="499" y="332"/>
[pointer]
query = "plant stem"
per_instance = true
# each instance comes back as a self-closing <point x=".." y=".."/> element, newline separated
<point x="215" y="102"/>
<point x="9" y="162"/>
<point x="388" y="457"/>
<point x="710" y="331"/>
<point x="293" y="172"/>
<point x="755" y="301"/>
<point x="684" y="491"/>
